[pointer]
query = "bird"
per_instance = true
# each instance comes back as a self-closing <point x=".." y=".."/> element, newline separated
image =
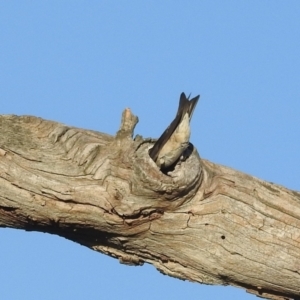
<point x="175" y="139"/>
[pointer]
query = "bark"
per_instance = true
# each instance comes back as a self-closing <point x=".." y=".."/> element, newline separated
<point x="201" y="222"/>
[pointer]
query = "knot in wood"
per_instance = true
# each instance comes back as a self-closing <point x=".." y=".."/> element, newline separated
<point x="181" y="183"/>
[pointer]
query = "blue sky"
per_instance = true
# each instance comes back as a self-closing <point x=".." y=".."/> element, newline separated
<point x="82" y="62"/>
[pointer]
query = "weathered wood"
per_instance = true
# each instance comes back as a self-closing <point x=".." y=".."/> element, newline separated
<point x="202" y="222"/>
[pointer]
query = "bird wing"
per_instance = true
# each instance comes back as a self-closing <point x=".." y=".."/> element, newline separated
<point x="184" y="106"/>
<point x="193" y="103"/>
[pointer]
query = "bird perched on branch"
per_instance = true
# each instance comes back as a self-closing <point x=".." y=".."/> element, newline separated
<point x="175" y="139"/>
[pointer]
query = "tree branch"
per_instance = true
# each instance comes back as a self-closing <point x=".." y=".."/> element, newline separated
<point x="202" y="222"/>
